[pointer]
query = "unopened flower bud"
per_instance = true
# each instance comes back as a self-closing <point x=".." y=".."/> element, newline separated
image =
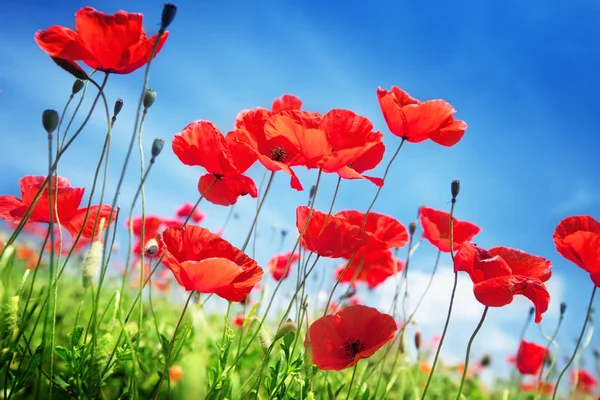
<point x="563" y="308"/>
<point x="118" y="107"/>
<point x="151" y="248"/>
<point x="284" y="233"/>
<point x="311" y="195"/>
<point x="418" y="340"/>
<point x="264" y="339"/>
<point x="10" y="319"/>
<point x="149" y="98"/>
<point x="285" y="328"/>
<point x="531" y="311"/>
<point x="77" y="86"/>
<point x="157" y="147"/>
<point x="71" y="68"/>
<point x="486" y="360"/>
<point x="454" y="189"/>
<point x="168" y="15"/>
<point x="412" y="227"/>
<point x="597" y="352"/>
<point x="50" y="120"/>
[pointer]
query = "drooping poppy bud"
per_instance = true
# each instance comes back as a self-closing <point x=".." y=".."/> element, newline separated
<point x="418" y="340"/>
<point x="149" y="98"/>
<point x="287" y="327"/>
<point x="71" y="68"/>
<point x="50" y="120"/>
<point x="168" y="15"/>
<point x="77" y="86"/>
<point x="157" y="147"/>
<point x="151" y="248"/>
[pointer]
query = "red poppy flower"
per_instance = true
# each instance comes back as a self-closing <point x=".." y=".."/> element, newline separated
<point x="201" y="143"/>
<point x="578" y="240"/>
<point x="151" y="226"/>
<point x="340" y="340"/>
<point x="277" y="265"/>
<point x="500" y="273"/>
<point x="67" y="198"/>
<point x="530" y="358"/>
<point x="186" y="209"/>
<point x="417" y="121"/>
<point x="535" y="387"/>
<point x="336" y="239"/>
<point x="111" y="43"/>
<point x="340" y="141"/>
<point x="436" y="229"/>
<point x="238" y="321"/>
<point x="275" y="154"/>
<point x="202" y="261"/>
<point x="585" y="380"/>
<point x="384" y="232"/>
<point x="372" y="267"/>
<point x="29" y="257"/>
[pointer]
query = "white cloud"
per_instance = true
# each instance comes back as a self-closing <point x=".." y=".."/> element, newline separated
<point x="500" y="332"/>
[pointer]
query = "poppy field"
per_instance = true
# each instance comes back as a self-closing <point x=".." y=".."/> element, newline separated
<point x="90" y="313"/>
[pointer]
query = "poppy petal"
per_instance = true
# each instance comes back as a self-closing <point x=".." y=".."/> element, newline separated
<point x="499" y="291"/>
<point x="522" y="263"/>
<point x="61" y="42"/>
<point x="225" y="191"/>
<point x="286" y="102"/>
<point x="108" y="36"/>
<point x="209" y="275"/>
<point x="426" y="118"/>
<point x="78" y="223"/>
<point x="450" y="134"/>
<point x="7" y="205"/>
<point x="350" y="173"/>
<point x="201" y="143"/>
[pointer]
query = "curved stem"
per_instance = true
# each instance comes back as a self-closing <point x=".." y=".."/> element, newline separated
<point x="243" y="248"/>
<point x="439" y="349"/>
<point x="351" y="381"/>
<point x="166" y="370"/>
<point x="587" y="317"/>
<point x="387" y="169"/>
<point x="464" y="374"/>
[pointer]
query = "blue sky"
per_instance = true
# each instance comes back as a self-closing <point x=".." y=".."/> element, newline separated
<point x="523" y="75"/>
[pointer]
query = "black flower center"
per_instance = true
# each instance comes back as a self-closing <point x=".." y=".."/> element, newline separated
<point x="353" y="347"/>
<point x="278" y="154"/>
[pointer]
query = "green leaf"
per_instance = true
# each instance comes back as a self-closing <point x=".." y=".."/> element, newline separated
<point x="75" y="336"/>
<point x="63" y="353"/>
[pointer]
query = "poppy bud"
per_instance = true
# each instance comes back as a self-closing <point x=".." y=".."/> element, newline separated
<point x="151" y="247"/>
<point x="149" y="98"/>
<point x="10" y="320"/>
<point x="486" y="360"/>
<point x="311" y="195"/>
<point x="71" y="68"/>
<point x="284" y="233"/>
<point x="597" y="352"/>
<point x="531" y="312"/>
<point x="563" y="308"/>
<point x="118" y="107"/>
<point x="454" y="189"/>
<point x="50" y="120"/>
<point x="77" y="86"/>
<point x="157" y="147"/>
<point x="287" y="327"/>
<point x="168" y="15"/>
<point x="418" y="340"/>
<point x="264" y="340"/>
<point x="412" y="227"/>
